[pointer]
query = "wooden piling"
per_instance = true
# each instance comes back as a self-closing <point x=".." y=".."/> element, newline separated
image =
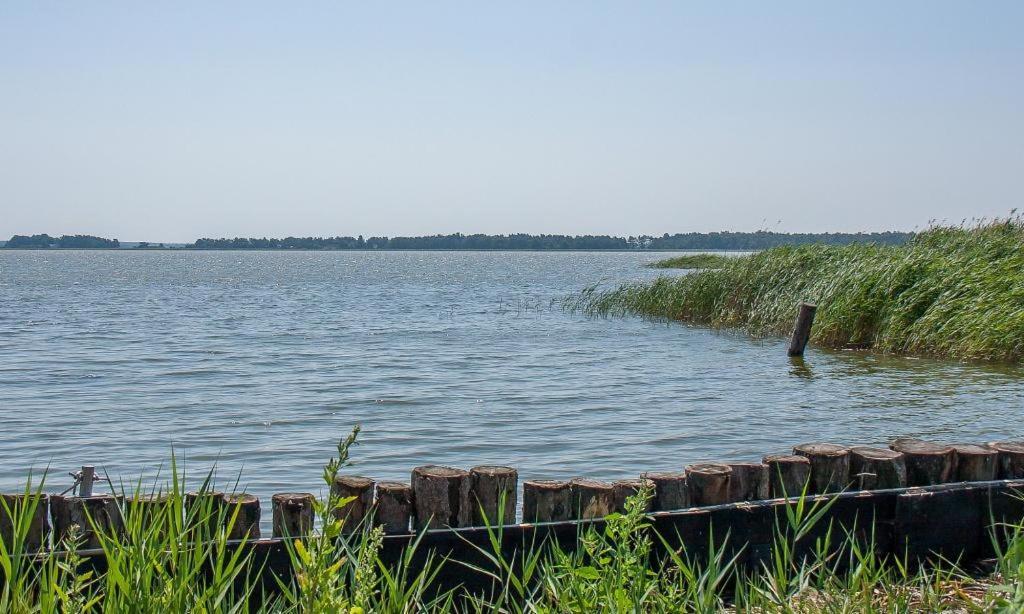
<point x="707" y="484"/>
<point x="547" y="500"/>
<point x="91" y="514"/>
<point x="592" y="498"/>
<point x="927" y="463"/>
<point x="203" y="512"/>
<point x="85" y="480"/>
<point x="16" y="507"/>
<point x="748" y="482"/>
<point x="802" y="328"/>
<point x="788" y="474"/>
<point x="247" y="521"/>
<point x="877" y="468"/>
<point x="292" y="514"/>
<point x="441" y="497"/>
<point x="393" y="507"/>
<point x="493" y="489"/>
<point x="669" y="490"/>
<point x="830" y="466"/>
<point x="975" y="463"/>
<point x="626" y="489"/>
<point x="1011" y="459"/>
<point x="149" y="511"/>
<point x="360" y="489"/>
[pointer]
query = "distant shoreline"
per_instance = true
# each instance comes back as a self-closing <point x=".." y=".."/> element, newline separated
<point x="693" y="241"/>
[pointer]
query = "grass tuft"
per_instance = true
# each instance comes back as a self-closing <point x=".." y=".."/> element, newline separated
<point x="692" y="261"/>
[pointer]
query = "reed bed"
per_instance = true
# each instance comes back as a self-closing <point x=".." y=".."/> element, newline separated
<point x="952" y="292"/>
<point x="691" y="261"/>
<point x="174" y="559"/>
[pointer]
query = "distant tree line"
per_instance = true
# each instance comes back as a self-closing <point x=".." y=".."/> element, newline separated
<point x="459" y="241"/>
<point x="45" y="241"/>
<point x="694" y="240"/>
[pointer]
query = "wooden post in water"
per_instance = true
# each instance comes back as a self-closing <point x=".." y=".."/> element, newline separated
<point x="393" y="507"/>
<point x="707" y="484"/>
<point x="669" y="490"/>
<point x="830" y="466"/>
<point x="877" y="468"/>
<point x="547" y="500"/>
<point x="927" y="463"/>
<point x="493" y="489"/>
<point x="86" y="478"/>
<point x="247" y="520"/>
<point x="788" y="474"/>
<point x="592" y="498"/>
<point x="355" y="511"/>
<point x="625" y="489"/>
<point x="20" y="505"/>
<point x="802" y="328"/>
<point x="975" y="463"/>
<point x="441" y="497"/>
<point x="89" y="513"/>
<point x="1011" y="459"/>
<point x="748" y="482"/>
<point x="292" y="514"/>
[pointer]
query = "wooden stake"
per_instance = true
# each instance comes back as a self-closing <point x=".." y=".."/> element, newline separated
<point x="292" y="514"/>
<point x="441" y="497"/>
<point x="830" y="466"/>
<point x="393" y="507"/>
<point x="354" y="512"/>
<point x="88" y="475"/>
<point x="877" y="468"/>
<point x="90" y="513"/>
<point x="707" y="484"/>
<point x="748" y="482"/>
<point x="203" y="512"/>
<point x="493" y="488"/>
<point x="787" y="474"/>
<point x="975" y="463"/>
<point x="39" y="526"/>
<point x="802" y="328"/>
<point x="669" y="490"/>
<point x="547" y="500"/>
<point x="927" y="463"/>
<point x="592" y="498"/>
<point x="247" y="521"/>
<point x="1011" y="459"/>
<point x="625" y="489"/>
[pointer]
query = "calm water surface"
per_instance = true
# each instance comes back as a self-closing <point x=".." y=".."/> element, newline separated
<point x="258" y="361"/>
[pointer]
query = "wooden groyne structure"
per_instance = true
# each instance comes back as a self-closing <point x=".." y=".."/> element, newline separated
<point x="915" y="498"/>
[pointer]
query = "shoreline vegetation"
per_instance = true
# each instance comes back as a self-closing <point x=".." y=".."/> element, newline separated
<point x="950" y="292"/>
<point x="691" y="262"/>
<point x="173" y="555"/>
<point x="742" y="241"/>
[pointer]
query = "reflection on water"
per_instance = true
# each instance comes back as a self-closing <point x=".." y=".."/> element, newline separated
<point x="259" y="361"/>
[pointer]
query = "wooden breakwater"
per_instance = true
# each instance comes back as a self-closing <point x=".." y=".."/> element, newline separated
<point x="914" y="498"/>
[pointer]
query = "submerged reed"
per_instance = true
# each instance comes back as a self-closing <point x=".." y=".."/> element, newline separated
<point x="955" y="292"/>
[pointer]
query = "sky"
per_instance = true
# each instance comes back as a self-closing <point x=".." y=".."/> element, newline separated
<point x="173" y="121"/>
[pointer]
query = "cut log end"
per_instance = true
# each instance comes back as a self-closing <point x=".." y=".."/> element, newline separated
<point x="788" y="474"/>
<point x="830" y="466"/>
<point x="547" y="500"/>
<point x="927" y="463"/>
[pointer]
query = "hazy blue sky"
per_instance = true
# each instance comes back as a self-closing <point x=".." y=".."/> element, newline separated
<point x="191" y="119"/>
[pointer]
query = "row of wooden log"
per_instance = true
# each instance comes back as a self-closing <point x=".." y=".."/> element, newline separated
<point x="447" y="497"/>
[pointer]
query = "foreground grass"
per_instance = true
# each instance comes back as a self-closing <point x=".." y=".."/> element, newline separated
<point x="172" y="561"/>
<point x="955" y="292"/>
<point x="692" y="261"/>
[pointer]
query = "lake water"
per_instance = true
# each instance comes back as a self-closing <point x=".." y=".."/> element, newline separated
<point x="260" y="361"/>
